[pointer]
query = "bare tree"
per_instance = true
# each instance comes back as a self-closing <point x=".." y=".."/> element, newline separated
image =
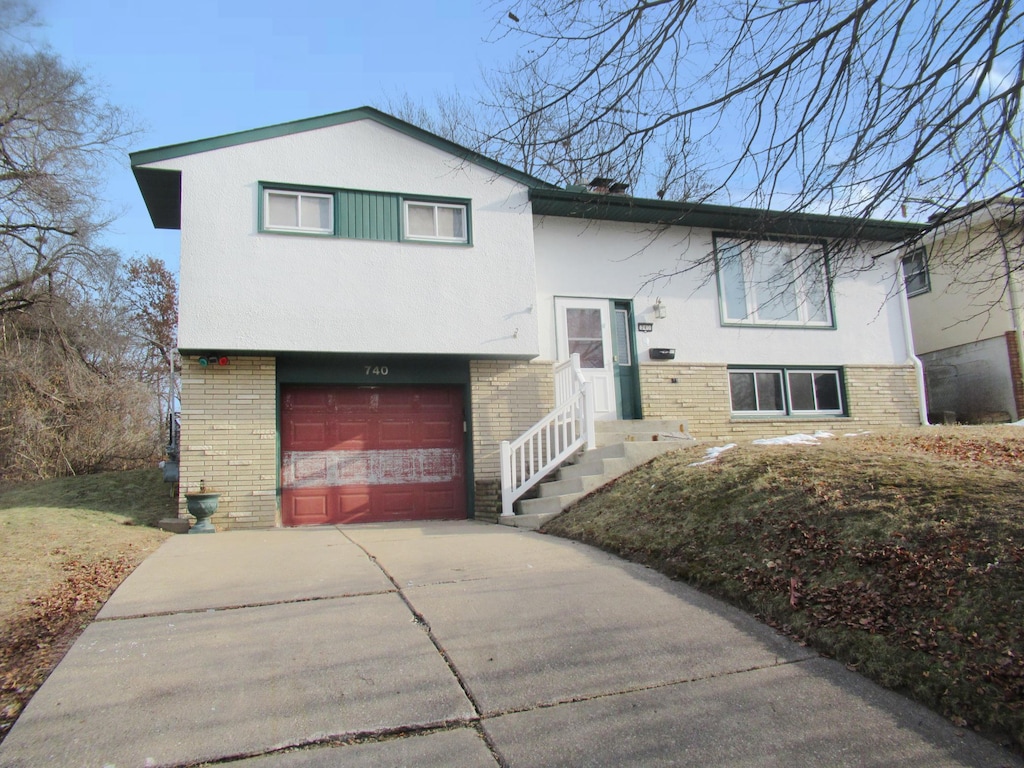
<point x="507" y="123"/>
<point x="73" y="363"/>
<point x="150" y="306"/>
<point x="844" y="107"/>
<point x="56" y="135"/>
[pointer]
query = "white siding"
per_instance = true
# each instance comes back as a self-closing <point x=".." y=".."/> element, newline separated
<point x="243" y="290"/>
<point x="609" y="259"/>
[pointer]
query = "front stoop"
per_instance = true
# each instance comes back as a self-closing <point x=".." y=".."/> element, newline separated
<point x="622" y="446"/>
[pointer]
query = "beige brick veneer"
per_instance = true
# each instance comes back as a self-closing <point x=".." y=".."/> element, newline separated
<point x="879" y="396"/>
<point x="229" y="438"/>
<point x="508" y="397"/>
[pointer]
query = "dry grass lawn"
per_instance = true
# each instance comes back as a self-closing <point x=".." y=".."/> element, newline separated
<point x="65" y="545"/>
<point x="900" y="554"/>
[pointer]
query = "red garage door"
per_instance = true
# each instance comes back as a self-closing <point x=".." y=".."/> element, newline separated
<point x="371" y="454"/>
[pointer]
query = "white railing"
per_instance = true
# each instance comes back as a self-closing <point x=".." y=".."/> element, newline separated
<point x="526" y="460"/>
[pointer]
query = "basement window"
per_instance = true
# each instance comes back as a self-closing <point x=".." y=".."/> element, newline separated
<point x="786" y="391"/>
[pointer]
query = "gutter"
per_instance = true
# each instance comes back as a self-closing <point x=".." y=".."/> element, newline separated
<point x="908" y="339"/>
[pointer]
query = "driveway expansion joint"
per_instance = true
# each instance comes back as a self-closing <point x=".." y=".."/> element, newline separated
<point x="484" y="716"/>
<point x="240" y="606"/>
<point x="377" y="736"/>
<point x="420" y="619"/>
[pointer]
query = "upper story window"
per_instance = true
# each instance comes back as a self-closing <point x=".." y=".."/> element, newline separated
<point x="435" y="221"/>
<point x="290" y="211"/>
<point x="915" y="272"/>
<point x="773" y="282"/>
<point x="361" y="214"/>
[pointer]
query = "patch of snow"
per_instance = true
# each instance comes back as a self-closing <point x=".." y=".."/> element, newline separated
<point x="858" y="434"/>
<point x="797" y="439"/>
<point x="1018" y="423"/>
<point x="711" y="454"/>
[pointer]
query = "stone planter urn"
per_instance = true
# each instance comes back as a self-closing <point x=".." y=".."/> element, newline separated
<point x="201" y="506"/>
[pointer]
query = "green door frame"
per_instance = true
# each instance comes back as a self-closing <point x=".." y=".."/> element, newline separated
<point x="627" y="375"/>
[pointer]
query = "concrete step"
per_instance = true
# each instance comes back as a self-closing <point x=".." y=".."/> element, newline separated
<point x="593" y="469"/>
<point x="640" y="431"/>
<point x="530" y="522"/>
<point x="545" y="504"/>
<point x="581" y="484"/>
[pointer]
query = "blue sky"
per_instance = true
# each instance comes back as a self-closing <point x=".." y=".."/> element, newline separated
<point x="191" y="69"/>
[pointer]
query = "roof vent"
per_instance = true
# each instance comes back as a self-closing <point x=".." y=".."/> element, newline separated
<point x="600" y="185"/>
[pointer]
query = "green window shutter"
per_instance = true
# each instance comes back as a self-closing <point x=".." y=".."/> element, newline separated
<point x="368" y="215"/>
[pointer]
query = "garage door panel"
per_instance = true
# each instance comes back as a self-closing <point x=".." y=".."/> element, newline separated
<point x="306" y="435"/>
<point x="352" y="434"/>
<point x="307" y="399"/>
<point x="310" y="508"/>
<point x="387" y="453"/>
<point x="439" y="432"/>
<point x="354" y="502"/>
<point x="398" y="503"/>
<point x="397" y="433"/>
<point x="437" y="398"/>
<point x="438" y="500"/>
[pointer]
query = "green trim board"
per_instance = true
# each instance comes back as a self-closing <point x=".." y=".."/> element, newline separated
<point x="161" y="189"/>
<point x="158" y="191"/>
<point x="362" y="214"/>
<point x="607" y="207"/>
<point x="370" y="369"/>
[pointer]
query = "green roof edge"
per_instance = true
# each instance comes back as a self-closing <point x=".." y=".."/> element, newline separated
<point x="147" y="156"/>
<point x="589" y="205"/>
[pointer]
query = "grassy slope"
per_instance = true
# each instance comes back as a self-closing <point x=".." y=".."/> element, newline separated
<point x="65" y="545"/>
<point x="902" y="556"/>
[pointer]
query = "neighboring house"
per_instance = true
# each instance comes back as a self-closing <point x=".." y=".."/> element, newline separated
<point x="966" y="291"/>
<point x="388" y="307"/>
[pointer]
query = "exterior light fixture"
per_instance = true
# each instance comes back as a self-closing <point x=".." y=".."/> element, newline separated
<point x="659" y="309"/>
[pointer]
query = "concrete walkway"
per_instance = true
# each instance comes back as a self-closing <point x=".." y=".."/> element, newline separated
<point x="449" y="644"/>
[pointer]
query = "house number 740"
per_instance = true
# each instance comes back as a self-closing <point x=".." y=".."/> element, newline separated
<point x="376" y="370"/>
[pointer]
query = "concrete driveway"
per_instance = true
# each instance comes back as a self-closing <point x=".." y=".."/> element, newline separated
<point x="449" y="644"/>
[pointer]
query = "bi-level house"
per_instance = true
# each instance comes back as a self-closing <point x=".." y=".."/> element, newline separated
<point x="368" y="311"/>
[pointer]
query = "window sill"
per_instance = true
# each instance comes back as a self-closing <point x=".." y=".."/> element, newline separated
<point x="790" y="419"/>
<point x="777" y="326"/>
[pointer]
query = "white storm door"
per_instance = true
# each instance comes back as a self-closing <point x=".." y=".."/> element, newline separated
<point x="584" y="326"/>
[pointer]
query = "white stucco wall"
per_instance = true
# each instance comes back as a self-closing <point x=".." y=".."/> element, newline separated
<point x="245" y="290"/>
<point x="613" y="260"/>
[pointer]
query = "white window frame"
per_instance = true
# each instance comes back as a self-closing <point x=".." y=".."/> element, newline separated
<point x="783" y="375"/>
<point x="298" y="195"/>
<point x="918" y="255"/>
<point x="808" y="270"/>
<point x="813" y="373"/>
<point x="435" y="238"/>
<point x="757" y="398"/>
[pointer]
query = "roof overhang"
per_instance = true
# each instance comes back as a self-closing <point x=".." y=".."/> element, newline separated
<point x="605" y="207"/>
<point x="161" y="189"/>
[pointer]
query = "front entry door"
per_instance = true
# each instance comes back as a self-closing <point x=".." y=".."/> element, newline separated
<point x="584" y="326"/>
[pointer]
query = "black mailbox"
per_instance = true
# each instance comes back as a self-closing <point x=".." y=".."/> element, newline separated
<point x="662" y="353"/>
